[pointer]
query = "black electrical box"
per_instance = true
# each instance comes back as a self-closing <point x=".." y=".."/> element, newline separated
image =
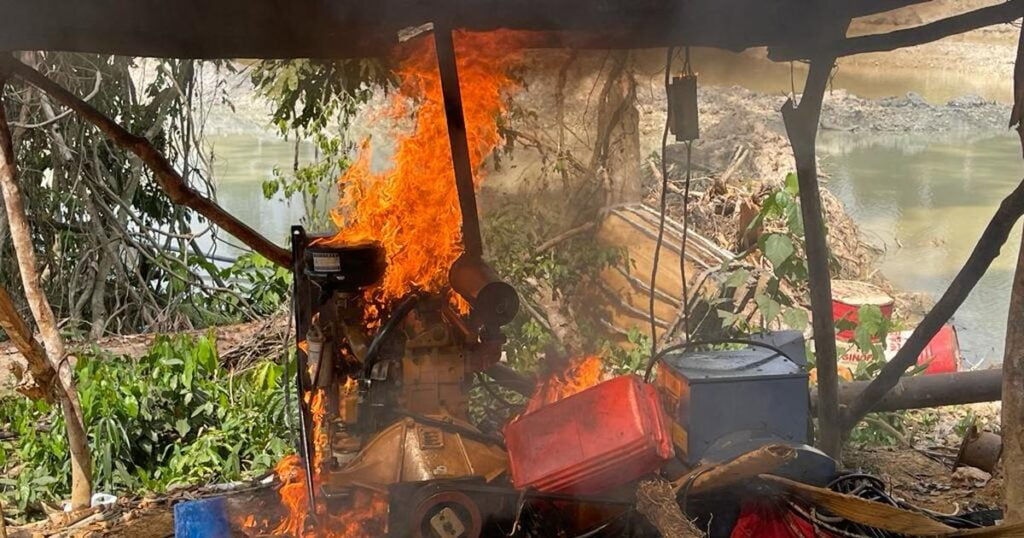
<point x="711" y="394"/>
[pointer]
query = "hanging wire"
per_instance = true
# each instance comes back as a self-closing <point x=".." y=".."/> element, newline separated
<point x="686" y="235"/>
<point x="688" y="71"/>
<point x="664" y="202"/>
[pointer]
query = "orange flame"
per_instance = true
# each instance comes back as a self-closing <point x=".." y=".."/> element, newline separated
<point x="365" y="517"/>
<point x="412" y="209"/>
<point x="580" y="374"/>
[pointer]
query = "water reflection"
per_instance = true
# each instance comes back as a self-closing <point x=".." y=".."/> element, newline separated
<point x="241" y="162"/>
<point x="926" y="201"/>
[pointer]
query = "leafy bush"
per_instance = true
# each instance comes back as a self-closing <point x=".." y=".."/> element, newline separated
<point x="174" y="416"/>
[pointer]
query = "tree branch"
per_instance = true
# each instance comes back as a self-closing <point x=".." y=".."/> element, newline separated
<point x="170" y="181"/>
<point x="985" y="252"/>
<point x="908" y="37"/>
<point x="21" y="336"/>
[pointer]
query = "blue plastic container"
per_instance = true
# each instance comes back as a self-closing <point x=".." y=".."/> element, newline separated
<point x="205" y="518"/>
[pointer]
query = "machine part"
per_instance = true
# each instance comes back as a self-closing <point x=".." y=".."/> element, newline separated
<point x="347" y="268"/>
<point x="303" y="317"/>
<point x="495" y="303"/>
<point x="922" y="391"/>
<point x="979" y="449"/>
<point x="602" y="437"/>
<point x="319" y="370"/>
<point x="501" y="508"/>
<point x="682" y="106"/>
<point x="447" y="514"/>
<point x="755" y="389"/>
<point x="456" y="121"/>
<point x="410" y="451"/>
<point x="392" y="324"/>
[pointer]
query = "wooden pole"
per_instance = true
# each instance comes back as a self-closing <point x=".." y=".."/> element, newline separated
<point x="802" y="127"/>
<point x="926" y="391"/>
<point x="169" y="180"/>
<point x="1013" y="399"/>
<point x="21" y="237"/>
<point x="1013" y="355"/>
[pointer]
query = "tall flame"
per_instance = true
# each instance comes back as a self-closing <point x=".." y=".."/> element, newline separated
<point x="412" y="209"/>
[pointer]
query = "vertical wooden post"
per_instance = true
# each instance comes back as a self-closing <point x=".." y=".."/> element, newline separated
<point x="802" y="128"/>
<point x="1013" y="399"/>
<point x="1013" y="355"/>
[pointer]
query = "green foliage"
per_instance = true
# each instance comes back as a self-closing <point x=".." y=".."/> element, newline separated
<point x="782" y="246"/>
<point x="262" y="284"/>
<point x="314" y="101"/>
<point x="516" y="226"/>
<point x="309" y="94"/>
<point x="174" y="416"/>
<point x="620" y="360"/>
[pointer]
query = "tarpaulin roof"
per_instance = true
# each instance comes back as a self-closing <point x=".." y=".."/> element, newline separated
<point x="347" y="28"/>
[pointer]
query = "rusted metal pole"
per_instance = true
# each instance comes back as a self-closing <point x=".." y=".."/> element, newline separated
<point x="924" y="391"/>
<point x="802" y="127"/>
<point x="456" y="119"/>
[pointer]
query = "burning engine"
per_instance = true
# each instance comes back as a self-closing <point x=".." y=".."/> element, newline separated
<point x="388" y="389"/>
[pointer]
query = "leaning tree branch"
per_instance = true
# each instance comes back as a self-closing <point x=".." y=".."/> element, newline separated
<point x="802" y="127"/>
<point x="908" y="37"/>
<point x="985" y="252"/>
<point x="21" y="336"/>
<point x="169" y="179"/>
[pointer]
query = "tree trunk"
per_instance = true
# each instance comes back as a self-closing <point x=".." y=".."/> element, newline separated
<point x="1013" y="399"/>
<point x="802" y="127"/>
<point x="618" y="132"/>
<point x="21" y="236"/>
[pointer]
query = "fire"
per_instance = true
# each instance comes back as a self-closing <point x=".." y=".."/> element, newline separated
<point x="412" y="209"/>
<point x="366" y="516"/>
<point x="580" y="374"/>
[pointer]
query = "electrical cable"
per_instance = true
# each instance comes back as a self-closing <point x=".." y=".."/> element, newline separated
<point x="664" y="203"/>
<point x="688" y="345"/>
<point x="689" y="485"/>
<point x="688" y="71"/>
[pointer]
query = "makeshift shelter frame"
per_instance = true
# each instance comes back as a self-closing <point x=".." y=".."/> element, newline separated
<point x="821" y="40"/>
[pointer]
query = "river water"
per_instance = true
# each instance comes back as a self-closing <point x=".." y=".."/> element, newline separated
<point x="924" y="199"/>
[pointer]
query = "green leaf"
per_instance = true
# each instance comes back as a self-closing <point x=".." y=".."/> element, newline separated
<point x="778" y="248"/>
<point x="768" y="307"/>
<point x="795" y="318"/>
<point x="792" y="184"/>
<point x="182" y="427"/>
<point x="737" y="278"/>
